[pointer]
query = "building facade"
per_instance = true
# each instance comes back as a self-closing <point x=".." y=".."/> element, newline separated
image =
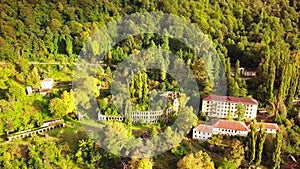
<point x="148" y="116"/>
<point x="225" y="106"/>
<point x="228" y="127"/>
<point x="202" y="132"/>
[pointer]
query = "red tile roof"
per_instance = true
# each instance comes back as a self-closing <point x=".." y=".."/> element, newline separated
<point x="231" y="125"/>
<point x="267" y="125"/>
<point x="230" y="99"/>
<point x="204" y="128"/>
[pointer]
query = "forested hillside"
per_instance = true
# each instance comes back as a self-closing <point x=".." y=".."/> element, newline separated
<point x="262" y="35"/>
<point x="259" y="35"/>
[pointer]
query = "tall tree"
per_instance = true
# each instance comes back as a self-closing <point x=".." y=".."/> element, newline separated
<point x="57" y="108"/>
<point x="261" y="141"/>
<point x="253" y="138"/>
<point x="276" y="155"/>
<point x="237" y="71"/>
<point x="240" y="111"/>
<point x="68" y="99"/>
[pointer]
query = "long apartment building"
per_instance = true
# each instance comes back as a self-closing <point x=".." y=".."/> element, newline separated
<point x="229" y="127"/>
<point x="221" y="106"/>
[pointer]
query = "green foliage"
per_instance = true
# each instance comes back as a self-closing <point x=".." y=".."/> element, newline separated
<point x="261" y="140"/>
<point x="181" y="150"/>
<point x="291" y="144"/>
<point x="16" y="92"/>
<point x="276" y="155"/>
<point x="258" y="36"/>
<point x="88" y="154"/>
<point x="235" y="152"/>
<point x="5" y="73"/>
<point x="197" y="160"/>
<point x="227" y="164"/>
<point x="57" y="108"/>
<point x="240" y="111"/>
<point x="253" y="139"/>
<point x="38" y="155"/>
<point x="143" y="163"/>
<point x="68" y="99"/>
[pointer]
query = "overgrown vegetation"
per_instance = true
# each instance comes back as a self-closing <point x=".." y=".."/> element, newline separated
<point x="260" y="35"/>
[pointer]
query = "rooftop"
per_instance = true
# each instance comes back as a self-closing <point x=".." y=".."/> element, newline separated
<point x="231" y="125"/>
<point x="230" y="99"/>
<point x="273" y="126"/>
<point x="204" y="128"/>
<point x="48" y="80"/>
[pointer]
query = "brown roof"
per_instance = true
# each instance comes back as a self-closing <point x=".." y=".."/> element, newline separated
<point x="267" y="125"/>
<point x="230" y="99"/>
<point x="231" y="125"/>
<point x="204" y="128"/>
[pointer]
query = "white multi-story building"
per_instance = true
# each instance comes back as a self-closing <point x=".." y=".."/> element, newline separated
<point x="223" y="106"/>
<point x="229" y="127"/>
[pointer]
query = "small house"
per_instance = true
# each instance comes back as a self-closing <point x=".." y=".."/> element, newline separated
<point x="47" y="84"/>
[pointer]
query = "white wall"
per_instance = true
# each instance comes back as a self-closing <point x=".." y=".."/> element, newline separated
<point x="201" y="135"/>
<point x="221" y="109"/>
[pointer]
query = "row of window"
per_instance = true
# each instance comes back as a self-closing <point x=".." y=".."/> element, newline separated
<point x="145" y="117"/>
<point x="227" y="107"/>
<point x="227" y="130"/>
<point x="232" y="109"/>
<point x="203" y="137"/>
<point x="203" y="133"/>
<point x="147" y="113"/>
<point x="224" y="103"/>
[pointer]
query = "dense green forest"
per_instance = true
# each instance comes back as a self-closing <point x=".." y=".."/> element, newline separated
<point x="260" y="35"/>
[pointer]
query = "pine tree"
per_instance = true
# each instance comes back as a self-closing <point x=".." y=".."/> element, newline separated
<point x="69" y="46"/>
<point x="145" y="88"/>
<point x="233" y="87"/>
<point x="253" y="138"/>
<point x="276" y="155"/>
<point x="237" y="71"/>
<point x="262" y="138"/>
<point x="271" y="80"/>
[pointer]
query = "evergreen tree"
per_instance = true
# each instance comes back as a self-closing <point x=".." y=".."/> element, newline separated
<point x="276" y="155"/>
<point x="237" y="71"/>
<point x="253" y="138"/>
<point x="261" y="141"/>
<point x="240" y="111"/>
